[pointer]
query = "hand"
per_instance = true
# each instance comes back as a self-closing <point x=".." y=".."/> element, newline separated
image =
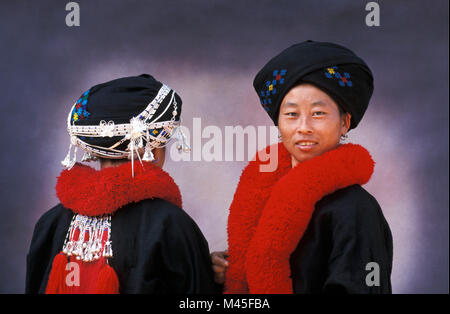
<point x="220" y="266"/>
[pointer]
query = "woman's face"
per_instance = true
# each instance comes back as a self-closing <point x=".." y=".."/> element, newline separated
<point x="310" y="123"/>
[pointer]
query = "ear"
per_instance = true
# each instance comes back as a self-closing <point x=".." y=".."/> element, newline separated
<point x="160" y="156"/>
<point x="346" y="122"/>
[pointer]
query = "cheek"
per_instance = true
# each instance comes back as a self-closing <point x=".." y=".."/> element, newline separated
<point x="287" y="126"/>
<point x="286" y="132"/>
<point x="331" y="134"/>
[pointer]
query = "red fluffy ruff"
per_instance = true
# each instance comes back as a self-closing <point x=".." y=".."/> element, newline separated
<point x="271" y="210"/>
<point x="90" y="192"/>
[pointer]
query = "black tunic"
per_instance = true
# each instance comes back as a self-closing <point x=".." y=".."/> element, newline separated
<point x="346" y="232"/>
<point x="157" y="248"/>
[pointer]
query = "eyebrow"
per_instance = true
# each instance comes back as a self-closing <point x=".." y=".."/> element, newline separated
<point x="316" y="103"/>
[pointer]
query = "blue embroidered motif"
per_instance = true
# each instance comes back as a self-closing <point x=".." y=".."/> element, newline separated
<point x="278" y="79"/>
<point x="331" y="72"/>
<point x="80" y="112"/>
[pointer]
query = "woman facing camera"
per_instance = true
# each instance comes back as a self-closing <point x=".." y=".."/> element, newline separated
<point x="309" y="226"/>
<point x="120" y="229"/>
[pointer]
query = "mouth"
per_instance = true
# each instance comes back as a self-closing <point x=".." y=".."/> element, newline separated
<point x="305" y="145"/>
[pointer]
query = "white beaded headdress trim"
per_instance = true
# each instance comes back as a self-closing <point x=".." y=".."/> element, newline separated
<point x="138" y="130"/>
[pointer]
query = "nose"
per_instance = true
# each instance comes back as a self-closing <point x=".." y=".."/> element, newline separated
<point x="304" y="125"/>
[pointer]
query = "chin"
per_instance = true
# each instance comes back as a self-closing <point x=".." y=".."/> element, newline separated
<point x="304" y="156"/>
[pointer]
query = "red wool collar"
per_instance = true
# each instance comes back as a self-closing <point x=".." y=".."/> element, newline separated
<point x="271" y="210"/>
<point x="91" y="192"/>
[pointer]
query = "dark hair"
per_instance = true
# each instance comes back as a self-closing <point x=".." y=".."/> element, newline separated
<point x="341" y="111"/>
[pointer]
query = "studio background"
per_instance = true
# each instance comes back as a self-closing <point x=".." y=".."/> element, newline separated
<point x="209" y="51"/>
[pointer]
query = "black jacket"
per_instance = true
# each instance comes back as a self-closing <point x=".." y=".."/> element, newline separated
<point x="346" y="232"/>
<point x="157" y="248"/>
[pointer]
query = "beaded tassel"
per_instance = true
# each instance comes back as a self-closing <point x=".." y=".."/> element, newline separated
<point x="88" y="157"/>
<point x="89" y="238"/>
<point x="182" y="144"/>
<point x="148" y="155"/>
<point x="70" y="161"/>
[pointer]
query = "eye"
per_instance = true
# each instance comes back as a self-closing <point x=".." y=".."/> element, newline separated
<point x="291" y="114"/>
<point x="318" y="113"/>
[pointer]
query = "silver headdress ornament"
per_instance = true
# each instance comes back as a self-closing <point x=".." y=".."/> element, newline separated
<point x="155" y="134"/>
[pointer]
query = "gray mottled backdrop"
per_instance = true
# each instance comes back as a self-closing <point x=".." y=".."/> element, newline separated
<point x="209" y="51"/>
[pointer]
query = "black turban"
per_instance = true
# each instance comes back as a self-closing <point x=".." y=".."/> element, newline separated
<point x="336" y="70"/>
<point x="120" y="100"/>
